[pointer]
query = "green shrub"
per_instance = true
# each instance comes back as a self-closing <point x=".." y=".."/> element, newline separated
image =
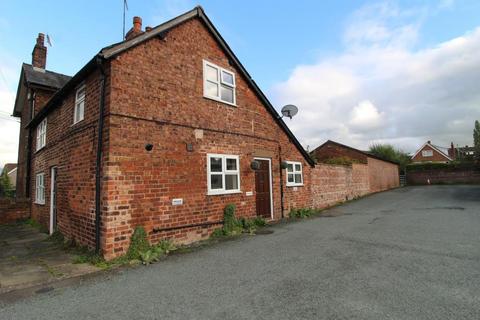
<point x="344" y="161"/>
<point x="138" y="243"/>
<point x="156" y="252"/>
<point x="259" y="222"/>
<point x="301" y="213"/>
<point x="231" y="225"/>
<point x="454" y="165"/>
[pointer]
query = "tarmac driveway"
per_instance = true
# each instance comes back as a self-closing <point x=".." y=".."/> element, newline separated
<point x="411" y="253"/>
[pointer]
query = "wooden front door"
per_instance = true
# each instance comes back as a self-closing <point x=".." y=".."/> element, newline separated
<point x="263" y="189"/>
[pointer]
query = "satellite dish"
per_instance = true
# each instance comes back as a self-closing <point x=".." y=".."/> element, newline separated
<point x="289" y="111"/>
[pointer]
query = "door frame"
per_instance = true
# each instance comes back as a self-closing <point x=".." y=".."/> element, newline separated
<point x="271" y="182"/>
<point x="53" y="179"/>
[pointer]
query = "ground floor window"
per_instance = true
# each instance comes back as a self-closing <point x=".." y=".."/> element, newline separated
<point x="40" y="188"/>
<point x="294" y="174"/>
<point x="223" y="173"/>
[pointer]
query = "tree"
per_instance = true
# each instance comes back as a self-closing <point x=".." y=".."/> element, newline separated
<point x="476" y="140"/>
<point x="6" y="189"/>
<point x="389" y="152"/>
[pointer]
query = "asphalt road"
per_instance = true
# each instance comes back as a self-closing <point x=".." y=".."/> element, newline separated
<point x="411" y="253"/>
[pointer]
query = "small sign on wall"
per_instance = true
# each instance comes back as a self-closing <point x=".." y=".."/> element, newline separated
<point x="249" y="193"/>
<point x="295" y="188"/>
<point x="177" y="202"/>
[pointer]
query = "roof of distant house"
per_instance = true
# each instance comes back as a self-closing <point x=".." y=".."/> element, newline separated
<point x="436" y="148"/>
<point x="9" y="167"/>
<point x="366" y="153"/>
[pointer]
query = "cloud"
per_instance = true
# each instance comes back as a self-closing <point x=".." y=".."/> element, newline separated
<point x="9" y="126"/>
<point x="380" y="88"/>
<point x="365" y="117"/>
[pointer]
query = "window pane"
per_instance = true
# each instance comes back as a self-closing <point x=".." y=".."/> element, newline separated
<point x="211" y="73"/>
<point x="211" y="89"/>
<point x="81" y="93"/>
<point x="227" y="94"/>
<point x="231" y="164"/>
<point x="216" y="181"/>
<point x="290" y="177"/>
<point x="215" y="164"/>
<point x="227" y="78"/>
<point x="298" y="167"/>
<point x="298" y="178"/>
<point x="231" y="182"/>
<point x="289" y="167"/>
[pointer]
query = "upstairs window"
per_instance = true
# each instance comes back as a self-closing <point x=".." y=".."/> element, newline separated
<point x="223" y="174"/>
<point x="294" y="174"/>
<point x="40" y="188"/>
<point x="218" y="83"/>
<point x="427" y="153"/>
<point x="79" y="105"/>
<point x="42" y="134"/>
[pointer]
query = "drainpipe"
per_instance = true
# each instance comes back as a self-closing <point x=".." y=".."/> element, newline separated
<point x="98" y="164"/>
<point x="281" y="179"/>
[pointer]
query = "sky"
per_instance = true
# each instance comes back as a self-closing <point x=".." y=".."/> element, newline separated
<point x="360" y="72"/>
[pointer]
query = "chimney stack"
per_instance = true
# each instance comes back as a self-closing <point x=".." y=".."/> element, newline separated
<point x="135" y="30"/>
<point x="39" y="53"/>
<point x="451" y="151"/>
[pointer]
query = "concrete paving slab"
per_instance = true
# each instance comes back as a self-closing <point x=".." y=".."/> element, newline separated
<point x="28" y="258"/>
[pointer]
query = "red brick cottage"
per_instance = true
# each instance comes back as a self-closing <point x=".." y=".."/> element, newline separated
<point x="161" y="130"/>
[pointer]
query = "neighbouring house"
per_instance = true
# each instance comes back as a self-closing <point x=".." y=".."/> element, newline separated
<point x="382" y="174"/>
<point x="10" y="169"/>
<point x="461" y="153"/>
<point x="430" y="153"/>
<point x="163" y="130"/>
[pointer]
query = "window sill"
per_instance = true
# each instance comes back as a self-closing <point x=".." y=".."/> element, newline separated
<point x="39" y="203"/>
<point x="223" y="193"/>
<point x="295" y="185"/>
<point x="221" y="101"/>
<point x="38" y="150"/>
<point x="75" y="123"/>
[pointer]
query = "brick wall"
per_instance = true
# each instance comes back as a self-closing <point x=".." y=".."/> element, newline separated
<point x="71" y="148"/>
<point x="11" y="210"/>
<point x="444" y="176"/>
<point x="382" y="175"/>
<point x="332" y="184"/>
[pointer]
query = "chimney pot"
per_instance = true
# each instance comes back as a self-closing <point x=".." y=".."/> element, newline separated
<point x="137" y="24"/>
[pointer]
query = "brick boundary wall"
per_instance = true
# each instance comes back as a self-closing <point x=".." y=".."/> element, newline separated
<point x="332" y="184"/>
<point x="443" y="176"/>
<point x="12" y="210"/>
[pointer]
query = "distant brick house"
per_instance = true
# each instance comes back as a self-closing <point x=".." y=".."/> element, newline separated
<point x="161" y="130"/>
<point x="430" y="153"/>
<point x="382" y="174"/>
<point x="10" y="169"/>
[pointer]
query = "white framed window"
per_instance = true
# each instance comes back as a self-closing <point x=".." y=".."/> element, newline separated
<point x="218" y="83"/>
<point x="427" y="153"/>
<point x="294" y="174"/>
<point x="79" y="105"/>
<point x="40" y="188"/>
<point x="42" y="134"/>
<point x="223" y="174"/>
